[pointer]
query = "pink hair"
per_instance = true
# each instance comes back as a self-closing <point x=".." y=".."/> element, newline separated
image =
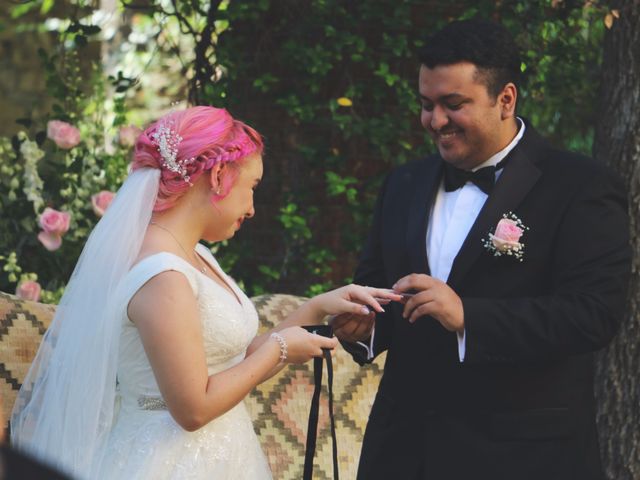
<point x="209" y="136"/>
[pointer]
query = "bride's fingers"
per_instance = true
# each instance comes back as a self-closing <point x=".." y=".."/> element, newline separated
<point x="364" y="303"/>
<point x="374" y="296"/>
<point x="384" y="294"/>
<point x="356" y="308"/>
<point x="324" y="342"/>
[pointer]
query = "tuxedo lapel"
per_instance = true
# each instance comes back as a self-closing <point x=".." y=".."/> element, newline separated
<point x="518" y="178"/>
<point x="425" y="187"/>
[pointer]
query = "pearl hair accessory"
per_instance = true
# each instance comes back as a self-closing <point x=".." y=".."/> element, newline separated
<point x="167" y="141"/>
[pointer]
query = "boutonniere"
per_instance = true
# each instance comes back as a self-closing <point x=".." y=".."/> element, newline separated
<point x="506" y="238"/>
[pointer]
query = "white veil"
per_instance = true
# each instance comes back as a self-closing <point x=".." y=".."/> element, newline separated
<point x="65" y="407"/>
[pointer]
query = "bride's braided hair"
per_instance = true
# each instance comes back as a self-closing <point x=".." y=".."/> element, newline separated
<point x="203" y="137"/>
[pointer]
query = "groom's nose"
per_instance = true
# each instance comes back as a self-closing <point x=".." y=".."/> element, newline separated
<point x="439" y="118"/>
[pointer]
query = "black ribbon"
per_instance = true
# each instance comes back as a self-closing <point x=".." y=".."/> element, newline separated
<point x="312" y="429"/>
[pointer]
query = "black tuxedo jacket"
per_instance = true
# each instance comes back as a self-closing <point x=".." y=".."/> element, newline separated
<point x="521" y="404"/>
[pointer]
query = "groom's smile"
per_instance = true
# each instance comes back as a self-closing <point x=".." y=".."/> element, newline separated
<point x="444" y="138"/>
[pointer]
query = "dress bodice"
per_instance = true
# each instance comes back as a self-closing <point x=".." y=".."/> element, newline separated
<point x="228" y="326"/>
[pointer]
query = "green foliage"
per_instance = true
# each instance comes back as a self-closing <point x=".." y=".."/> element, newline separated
<point x="562" y="50"/>
<point x="36" y="173"/>
<point x="330" y="84"/>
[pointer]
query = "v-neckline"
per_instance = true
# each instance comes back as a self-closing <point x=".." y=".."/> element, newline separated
<point x="221" y="275"/>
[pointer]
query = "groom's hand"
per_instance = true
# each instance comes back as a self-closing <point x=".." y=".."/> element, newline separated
<point x="433" y="297"/>
<point x="352" y="328"/>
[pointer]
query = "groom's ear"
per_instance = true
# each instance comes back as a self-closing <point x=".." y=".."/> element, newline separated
<point x="507" y="100"/>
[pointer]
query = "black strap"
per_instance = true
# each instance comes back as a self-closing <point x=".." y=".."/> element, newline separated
<point x="312" y="429"/>
<point x="327" y="357"/>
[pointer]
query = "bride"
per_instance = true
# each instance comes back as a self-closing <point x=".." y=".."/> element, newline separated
<point x="153" y="348"/>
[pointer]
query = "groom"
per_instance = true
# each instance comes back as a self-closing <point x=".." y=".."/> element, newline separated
<point x="517" y="257"/>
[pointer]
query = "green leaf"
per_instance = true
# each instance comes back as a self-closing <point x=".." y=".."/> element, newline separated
<point x="21" y="10"/>
<point x="46" y="7"/>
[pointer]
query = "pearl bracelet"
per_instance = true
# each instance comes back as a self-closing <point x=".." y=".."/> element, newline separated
<point x="283" y="345"/>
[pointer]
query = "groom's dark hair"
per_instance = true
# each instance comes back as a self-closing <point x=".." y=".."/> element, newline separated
<point x="488" y="45"/>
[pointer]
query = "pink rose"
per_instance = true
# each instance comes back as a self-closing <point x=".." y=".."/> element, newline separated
<point x="101" y="201"/>
<point x="64" y="134"/>
<point x="128" y="135"/>
<point x="507" y="235"/>
<point x="28" y="290"/>
<point x="54" y="224"/>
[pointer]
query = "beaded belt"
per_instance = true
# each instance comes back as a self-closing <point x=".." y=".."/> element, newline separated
<point x="146" y="402"/>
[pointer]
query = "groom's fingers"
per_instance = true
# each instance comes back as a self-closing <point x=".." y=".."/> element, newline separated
<point x="437" y="300"/>
<point x="414" y="281"/>
<point x="353" y="328"/>
<point x="428" y="308"/>
<point x="339" y="321"/>
<point x="357" y="326"/>
<point x="419" y="305"/>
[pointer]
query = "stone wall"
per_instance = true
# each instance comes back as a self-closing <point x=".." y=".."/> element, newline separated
<point x="23" y="91"/>
<point x="22" y="83"/>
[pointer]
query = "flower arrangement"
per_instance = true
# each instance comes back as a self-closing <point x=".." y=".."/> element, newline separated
<point x="59" y="173"/>
<point x="55" y="185"/>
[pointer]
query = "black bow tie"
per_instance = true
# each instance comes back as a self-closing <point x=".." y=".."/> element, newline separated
<point x="484" y="178"/>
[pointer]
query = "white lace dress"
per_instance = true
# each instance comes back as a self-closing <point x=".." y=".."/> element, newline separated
<point x="145" y="441"/>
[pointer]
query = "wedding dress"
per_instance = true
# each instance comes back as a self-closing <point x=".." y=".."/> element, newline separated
<point x="145" y="442"/>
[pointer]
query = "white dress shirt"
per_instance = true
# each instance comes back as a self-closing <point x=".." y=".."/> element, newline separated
<point x="452" y="216"/>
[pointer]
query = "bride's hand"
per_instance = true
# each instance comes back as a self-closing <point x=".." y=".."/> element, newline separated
<point x="302" y="346"/>
<point x="354" y="299"/>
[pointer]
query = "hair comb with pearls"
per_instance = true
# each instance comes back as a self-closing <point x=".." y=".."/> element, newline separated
<point x="167" y="140"/>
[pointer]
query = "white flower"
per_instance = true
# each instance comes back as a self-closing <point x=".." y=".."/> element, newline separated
<point x="33" y="184"/>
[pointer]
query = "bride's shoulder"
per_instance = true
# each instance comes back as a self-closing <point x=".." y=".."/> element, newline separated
<point x="150" y="258"/>
<point x="151" y="265"/>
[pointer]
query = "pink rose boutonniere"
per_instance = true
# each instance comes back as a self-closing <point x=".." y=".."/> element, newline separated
<point x="506" y="238"/>
<point x="54" y="224"/>
<point x="64" y="134"/>
<point x="101" y="201"/>
<point x="28" y="290"/>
